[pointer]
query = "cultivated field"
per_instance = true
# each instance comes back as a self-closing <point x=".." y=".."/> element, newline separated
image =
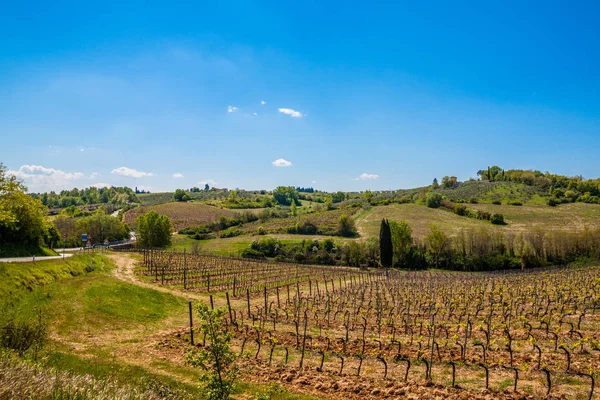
<point x="182" y="214"/>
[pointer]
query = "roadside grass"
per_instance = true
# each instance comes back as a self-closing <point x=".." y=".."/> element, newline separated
<point x="11" y="250"/>
<point x="20" y="278"/>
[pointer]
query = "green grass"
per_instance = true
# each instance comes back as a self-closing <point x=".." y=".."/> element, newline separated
<point x="13" y="250"/>
<point x="97" y="302"/>
<point x="574" y="217"/>
<point x="19" y="278"/>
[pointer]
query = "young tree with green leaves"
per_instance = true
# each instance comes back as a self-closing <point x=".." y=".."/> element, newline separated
<point x="438" y="242"/>
<point x="402" y="241"/>
<point x="216" y="359"/>
<point x="346" y="226"/>
<point x="386" y="249"/>
<point x="154" y="229"/>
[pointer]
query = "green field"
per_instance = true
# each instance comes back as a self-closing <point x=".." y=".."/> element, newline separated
<point x="575" y="217"/>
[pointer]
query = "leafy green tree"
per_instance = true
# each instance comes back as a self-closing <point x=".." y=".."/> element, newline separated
<point x="101" y="226"/>
<point x="438" y="242"/>
<point x="386" y="248"/>
<point x="216" y="359"/>
<point x="328" y="203"/>
<point x="433" y="200"/>
<point x="435" y="184"/>
<point x="338" y="197"/>
<point x="402" y="241"/>
<point x="294" y="210"/>
<point x="206" y="187"/>
<point x="346" y="226"/>
<point x="285" y="195"/>
<point x="21" y="216"/>
<point x="368" y="195"/>
<point x="154" y="229"/>
<point x="181" y="195"/>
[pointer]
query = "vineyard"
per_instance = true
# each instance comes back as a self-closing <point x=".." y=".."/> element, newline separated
<point x="181" y="214"/>
<point x="370" y="334"/>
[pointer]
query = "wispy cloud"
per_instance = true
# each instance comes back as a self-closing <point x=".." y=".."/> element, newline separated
<point x="40" y="178"/>
<point x="280" y="162"/>
<point x="101" y="185"/>
<point x="130" y="172"/>
<point x="290" y="112"/>
<point x="254" y="114"/>
<point x="263" y="102"/>
<point x="208" y="182"/>
<point x="365" y="177"/>
<point x="177" y="175"/>
<point x="231" y="109"/>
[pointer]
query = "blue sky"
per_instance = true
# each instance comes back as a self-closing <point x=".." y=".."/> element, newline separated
<point x="357" y="95"/>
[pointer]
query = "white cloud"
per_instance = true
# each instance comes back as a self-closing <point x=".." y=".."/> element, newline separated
<point x="280" y="162"/>
<point x="254" y="113"/>
<point x="130" y="172"/>
<point x="263" y="102"/>
<point x="231" y="109"/>
<point x="365" y="177"/>
<point x="208" y="182"/>
<point x="39" y="178"/>
<point x="177" y="175"/>
<point x="290" y="112"/>
<point x="101" y="185"/>
<point x="314" y="181"/>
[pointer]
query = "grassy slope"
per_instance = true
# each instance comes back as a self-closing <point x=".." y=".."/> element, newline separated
<point x="420" y="218"/>
<point x="101" y="326"/>
<point x="235" y="245"/>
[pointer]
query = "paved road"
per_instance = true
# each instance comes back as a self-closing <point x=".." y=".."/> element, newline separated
<point x="29" y="259"/>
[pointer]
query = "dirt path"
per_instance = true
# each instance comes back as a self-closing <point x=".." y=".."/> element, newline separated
<point x="125" y="271"/>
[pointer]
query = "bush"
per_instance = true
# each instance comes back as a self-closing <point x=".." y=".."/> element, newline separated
<point x="553" y="202"/>
<point x="251" y="253"/>
<point x="433" y="200"/>
<point x="346" y="226"/>
<point x="497" y="202"/>
<point x="515" y="203"/>
<point x="461" y="210"/>
<point x="473" y="200"/>
<point x="22" y="336"/>
<point x="497" y="219"/>
<point x="484" y="215"/>
<point x="230" y="233"/>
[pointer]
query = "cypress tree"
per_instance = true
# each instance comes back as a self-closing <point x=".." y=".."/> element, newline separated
<point x="386" y="249"/>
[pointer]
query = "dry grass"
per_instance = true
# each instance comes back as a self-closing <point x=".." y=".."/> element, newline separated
<point x="21" y="380"/>
<point x="182" y="215"/>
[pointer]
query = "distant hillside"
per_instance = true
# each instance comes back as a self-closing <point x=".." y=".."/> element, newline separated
<point x="182" y="214"/>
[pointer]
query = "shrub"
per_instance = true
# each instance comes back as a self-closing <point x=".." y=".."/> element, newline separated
<point x="433" y="200"/>
<point x="22" y="336"/>
<point x="346" y="226"/>
<point x="230" y="233"/>
<point x="484" y="215"/>
<point x="553" y="202"/>
<point x="497" y="219"/>
<point x="461" y="210"/>
<point x="473" y="200"/>
<point x="251" y="253"/>
<point x="497" y="202"/>
<point x="448" y="204"/>
<point x="515" y="203"/>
